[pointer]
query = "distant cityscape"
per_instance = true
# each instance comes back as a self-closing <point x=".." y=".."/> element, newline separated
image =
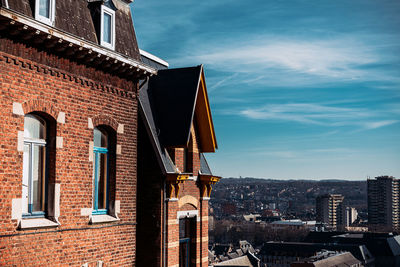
<point x="291" y="199"/>
<point x="305" y="222"/>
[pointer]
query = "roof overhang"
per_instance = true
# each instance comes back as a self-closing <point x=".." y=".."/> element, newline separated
<point x="203" y="117"/>
<point x="210" y="179"/>
<point x="28" y="29"/>
<point x="154" y="58"/>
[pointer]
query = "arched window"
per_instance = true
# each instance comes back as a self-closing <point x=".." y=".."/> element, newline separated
<point x="100" y="171"/>
<point x="34" y="166"/>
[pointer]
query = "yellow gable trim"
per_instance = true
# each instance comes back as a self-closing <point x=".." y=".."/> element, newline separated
<point x="204" y="118"/>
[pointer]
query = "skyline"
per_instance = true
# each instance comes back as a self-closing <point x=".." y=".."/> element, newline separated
<point x="298" y="90"/>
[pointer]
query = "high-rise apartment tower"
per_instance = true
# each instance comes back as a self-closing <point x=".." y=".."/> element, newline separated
<point x="330" y="210"/>
<point x="383" y="203"/>
<point x="351" y="215"/>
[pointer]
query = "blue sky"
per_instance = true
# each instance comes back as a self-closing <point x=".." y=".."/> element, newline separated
<point x="299" y="89"/>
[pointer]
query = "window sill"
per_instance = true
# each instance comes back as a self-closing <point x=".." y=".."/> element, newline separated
<point x="102" y="219"/>
<point x="26" y="224"/>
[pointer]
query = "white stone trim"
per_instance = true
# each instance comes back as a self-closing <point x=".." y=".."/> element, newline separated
<point x="90" y="123"/>
<point x="187" y="214"/>
<point x="171" y="222"/>
<point x="59" y="142"/>
<point x="117" y="206"/>
<point x="57" y="195"/>
<point x="86" y="211"/>
<point x="119" y="150"/>
<point x="37" y="223"/>
<point x="16" y="212"/>
<point x="192" y="178"/>
<point x="102" y="219"/>
<point x="20" y="141"/>
<point x="172" y="199"/>
<point x="173" y="244"/>
<point x="91" y="146"/>
<point x="120" y="128"/>
<point x="61" y="117"/>
<point x="205" y="198"/>
<point x="17" y="109"/>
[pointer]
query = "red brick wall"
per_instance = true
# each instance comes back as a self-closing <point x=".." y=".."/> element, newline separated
<point x="189" y="188"/>
<point x="48" y="83"/>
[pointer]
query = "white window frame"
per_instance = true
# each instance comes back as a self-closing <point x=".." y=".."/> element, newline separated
<point x="35" y="142"/>
<point x="52" y="11"/>
<point x="110" y="12"/>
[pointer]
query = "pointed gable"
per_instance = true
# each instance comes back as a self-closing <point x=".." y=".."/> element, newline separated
<point x="203" y="118"/>
<point x="180" y="95"/>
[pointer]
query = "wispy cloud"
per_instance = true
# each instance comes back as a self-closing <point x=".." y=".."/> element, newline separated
<point x="278" y="60"/>
<point x="379" y="124"/>
<point x="305" y="154"/>
<point x="319" y="115"/>
<point x="326" y="58"/>
<point x="221" y="82"/>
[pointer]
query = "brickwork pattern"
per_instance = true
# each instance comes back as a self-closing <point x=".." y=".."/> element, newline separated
<point x="50" y="84"/>
<point x="189" y="188"/>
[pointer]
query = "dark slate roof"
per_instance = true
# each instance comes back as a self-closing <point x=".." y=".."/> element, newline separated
<point x="152" y="63"/>
<point x="222" y="249"/>
<point x="125" y="37"/>
<point x="331" y="259"/>
<point x="73" y="17"/>
<point x="174" y="92"/>
<point x="394" y="244"/>
<point x="242" y="261"/>
<point x="204" y="168"/>
<point x="161" y="109"/>
<point x="146" y="108"/>
<point x="379" y="244"/>
<point x="361" y="252"/>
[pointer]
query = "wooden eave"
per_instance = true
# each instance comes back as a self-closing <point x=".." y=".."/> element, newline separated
<point x="203" y="117"/>
<point x="29" y="30"/>
<point x="209" y="179"/>
<point x="177" y="177"/>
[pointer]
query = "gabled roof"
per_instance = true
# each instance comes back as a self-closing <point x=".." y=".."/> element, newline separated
<point x="168" y="104"/>
<point x="180" y="95"/>
<point x="146" y="111"/>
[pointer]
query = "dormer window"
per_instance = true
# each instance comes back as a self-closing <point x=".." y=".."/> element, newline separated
<point x="107" y="28"/>
<point x="45" y="11"/>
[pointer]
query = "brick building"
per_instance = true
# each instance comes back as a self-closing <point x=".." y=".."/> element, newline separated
<point x="91" y="172"/>
<point x="69" y="78"/>
<point x="174" y="179"/>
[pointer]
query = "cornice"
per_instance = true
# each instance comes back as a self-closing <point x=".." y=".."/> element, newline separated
<point x="51" y="71"/>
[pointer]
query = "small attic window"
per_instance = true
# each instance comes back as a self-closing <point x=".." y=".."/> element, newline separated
<point x="107" y="27"/>
<point x="45" y="11"/>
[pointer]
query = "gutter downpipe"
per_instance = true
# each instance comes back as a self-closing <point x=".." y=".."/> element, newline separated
<point x="164" y="224"/>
